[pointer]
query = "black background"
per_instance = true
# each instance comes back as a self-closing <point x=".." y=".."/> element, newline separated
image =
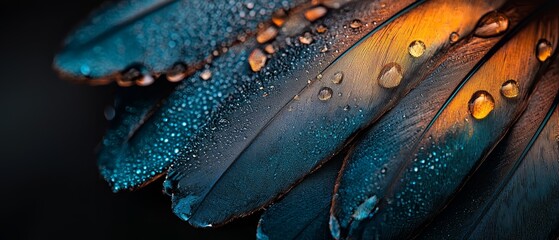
<point x="49" y="184"/>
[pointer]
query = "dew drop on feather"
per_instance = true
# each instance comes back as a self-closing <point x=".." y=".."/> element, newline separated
<point x="325" y="94"/>
<point x="177" y="72"/>
<point x="338" y="78"/>
<point x="510" y="89"/>
<point x="206" y="75"/>
<point x="257" y="60"/>
<point x="278" y="17"/>
<point x="306" y="38"/>
<point x="267" y="34"/>
<point x="454" y="37"/>
<point x="492" y="24"/>
<point x="390" y="76"/>
<point x="356" y="23"/>
<point x="315" y="13"/>
<point x="416" y="48"/>
<point x="544" y="50"/>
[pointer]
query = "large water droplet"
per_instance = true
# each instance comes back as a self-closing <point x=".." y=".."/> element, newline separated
<point x="325" y="94"/>
<point x="390" y="76"/>
<point x="510" y="89"/>
<point x="338" y="78"/>
<point x="481" y="104"/>
<point x="454" y="37"/>
<point x="267" y="34"/>
<point x="315" y="13"/>
<point x="416" y="48"/>
<point x="544" y="50"/>
<point x="257" y="60"/>
<point x="492" y="24"/>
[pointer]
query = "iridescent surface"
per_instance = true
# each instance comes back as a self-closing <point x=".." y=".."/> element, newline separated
<point x="445" y="151"/>
<point x="252" y="123"/>
<point x="263" y="107"/>
<point x="516" y="177"/>
<point x="128" y="163"/>
<point x="157" y="33"/>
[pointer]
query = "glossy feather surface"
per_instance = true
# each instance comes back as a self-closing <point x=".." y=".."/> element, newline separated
<point x="447" y="106"/>
<point x="517" y="175"/>
<point x="206" y="177"/>
<point x="449" y="147"/>
<point x="158" y="33"/>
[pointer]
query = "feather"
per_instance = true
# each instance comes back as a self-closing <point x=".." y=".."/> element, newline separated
<point x="130" y="157"/>
<point x="370" y="161"/>
<point x="303" y="212"/>
<point x="413" y="183"/>
<point x="153" y="145"/>
<point x="157" y="34"/>
<point x="504" y="198"/>
<point x="228" y="174"/>
<point x="132" y="107"/>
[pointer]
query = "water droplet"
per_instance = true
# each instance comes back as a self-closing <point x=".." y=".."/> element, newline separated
<point x="267" y="34"/>
<point x="365" y="209"/>
<point x="206" y="75"/>
<point x="356" y="23"/>
<point x="306" y="38"/>
<point x="278" y="17"/>
<point x="85" y="69"/>
<point x="315" y="13"/>
<point x="257" y="60"/>
<point x="321" y="29"/>
<point x="109" y="113"/>
<point x="481" y="104"/>
<point x="492" y="24"/>
<point x="510" y="89"/>
<point x="347" y="108"/>
<point x="146" y="80"/>
<point x="270" y="49"/>
<point x="416" y="48"/>
<point x="390" y="76"/>
<point x="454" y="37"/>
<point x="334" y="226"/>
<point x="177" y="72"/>
<point x="544" y="50"/>
<point x="128" y="77"/>
<point x="325" y="94"/>
<point x="338" y="78"/>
